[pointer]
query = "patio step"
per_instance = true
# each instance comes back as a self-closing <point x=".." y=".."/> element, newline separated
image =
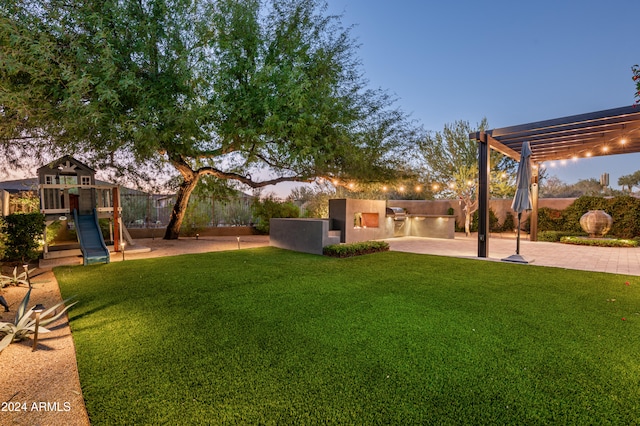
<point x="333" y="237"/>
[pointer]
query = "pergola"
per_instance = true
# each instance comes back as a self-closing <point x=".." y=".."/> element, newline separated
<point x="609" y="132"/>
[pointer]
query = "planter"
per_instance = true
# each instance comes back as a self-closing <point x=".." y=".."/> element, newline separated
<point x="596" y="223"/>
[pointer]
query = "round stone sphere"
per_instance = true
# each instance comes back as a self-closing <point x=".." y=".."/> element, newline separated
<point x="596" y="223"/>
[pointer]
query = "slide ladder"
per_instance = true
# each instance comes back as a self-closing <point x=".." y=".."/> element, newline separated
<point x="92" y="245"/>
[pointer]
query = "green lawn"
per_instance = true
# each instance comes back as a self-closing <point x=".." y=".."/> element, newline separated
<point x="268" y="336"/>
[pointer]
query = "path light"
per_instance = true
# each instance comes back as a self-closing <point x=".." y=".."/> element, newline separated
<point x="122" y="250"/>
<point x="26" y="274"/>
<point x="37" y="310"/>
<point x="197" y="236"/>
<point x="238" y="238"/>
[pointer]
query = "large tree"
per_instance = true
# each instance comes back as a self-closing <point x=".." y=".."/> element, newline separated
<point x="630" y="181"/>
<point x="450" y="160"/>
<point x="239" y="90"/>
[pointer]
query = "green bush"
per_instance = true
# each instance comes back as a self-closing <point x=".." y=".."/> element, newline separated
<point x="555" y="236"/>
<point x="624" y="210"/>
<point x="509" y="223"/>
<point x="23" y="234"/>
<point x="599" y="242"/>
<point x="3" y="237"/>
<point x="268" y="208"/>
<point x="355" y="249"/>
<point x="550" y="219"/>
<point x="494" y="225"/>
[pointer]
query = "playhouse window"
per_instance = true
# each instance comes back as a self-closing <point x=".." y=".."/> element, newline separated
<point x="49" y="179"/>
<point x="70" y="180"/>
<point x="85" y="180"/>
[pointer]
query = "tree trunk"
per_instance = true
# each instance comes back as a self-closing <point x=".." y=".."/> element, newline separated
<point x="180" y="208"/>
<point x="467" y="223"/>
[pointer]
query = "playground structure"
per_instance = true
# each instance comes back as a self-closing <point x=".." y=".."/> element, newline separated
<point x="68" y="187"/>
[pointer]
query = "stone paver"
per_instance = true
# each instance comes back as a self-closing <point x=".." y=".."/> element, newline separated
<point x="598" y="259"/>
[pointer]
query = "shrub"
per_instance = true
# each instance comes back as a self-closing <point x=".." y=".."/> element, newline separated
<point x="23" y="234"/>
<point x="554" y="236"/>
<point x="3" y="237"/>
<point x="509" y="223"/>
<point x="550" y="219"/>
<point x="599" y="242"/>
<point x="624" y="210"/>
<point x="268" y="208"/>
<point x="355" y="249"/>
<point x="493" y="222"/>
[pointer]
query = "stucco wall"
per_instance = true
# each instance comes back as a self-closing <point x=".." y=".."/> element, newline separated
<point x="342" y="213"/>
<point x="499" y="206"/>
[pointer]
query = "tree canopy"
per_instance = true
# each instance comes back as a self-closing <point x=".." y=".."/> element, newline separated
<point x="450" y="159"/>
<point x="253" y="92"/>
<point x="629" y="181"/>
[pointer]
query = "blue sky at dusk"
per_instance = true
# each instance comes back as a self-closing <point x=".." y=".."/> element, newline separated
<point x="509" y="61"/>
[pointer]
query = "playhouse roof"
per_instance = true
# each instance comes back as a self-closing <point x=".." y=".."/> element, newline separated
<point x="66" y="164"/>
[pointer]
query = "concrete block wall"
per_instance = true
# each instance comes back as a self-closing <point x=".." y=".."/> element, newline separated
<point x="304" y="235"/>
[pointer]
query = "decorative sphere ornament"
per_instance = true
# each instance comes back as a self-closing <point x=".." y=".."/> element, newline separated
<point x="596" y="223"/>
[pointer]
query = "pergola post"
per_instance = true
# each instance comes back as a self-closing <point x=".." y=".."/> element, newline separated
<point x="483" y="194"/>
<point x="533" y="216"/>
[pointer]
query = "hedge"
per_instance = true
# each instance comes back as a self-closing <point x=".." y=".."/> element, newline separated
<point x="355" y="249"/>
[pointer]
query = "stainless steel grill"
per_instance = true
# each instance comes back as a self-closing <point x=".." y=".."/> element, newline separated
<point x="397" y="213"/>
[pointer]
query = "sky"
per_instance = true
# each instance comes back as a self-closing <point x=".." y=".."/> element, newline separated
<point x="512" y="62"/>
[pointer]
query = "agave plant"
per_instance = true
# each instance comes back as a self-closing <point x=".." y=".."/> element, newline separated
<point x="16" y="279"/>
<point x="24" y="324"/>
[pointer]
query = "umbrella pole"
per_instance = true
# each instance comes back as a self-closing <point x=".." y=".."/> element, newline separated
<point x="518" y="238"/>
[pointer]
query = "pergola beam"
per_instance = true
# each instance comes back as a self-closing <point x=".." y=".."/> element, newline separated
<point x="585" y="135"/>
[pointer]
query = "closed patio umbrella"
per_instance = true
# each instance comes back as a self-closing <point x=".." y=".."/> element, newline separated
<point x="522" y="199"/>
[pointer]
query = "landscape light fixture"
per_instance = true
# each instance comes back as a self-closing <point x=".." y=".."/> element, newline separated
<point x="122" y="250"/>
<point x="37" y="310"/>
<point x="26" y="274"/>
<point x="238" y="238"/>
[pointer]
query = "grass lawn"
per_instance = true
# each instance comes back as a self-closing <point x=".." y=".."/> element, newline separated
<point x="268" y="336"/>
